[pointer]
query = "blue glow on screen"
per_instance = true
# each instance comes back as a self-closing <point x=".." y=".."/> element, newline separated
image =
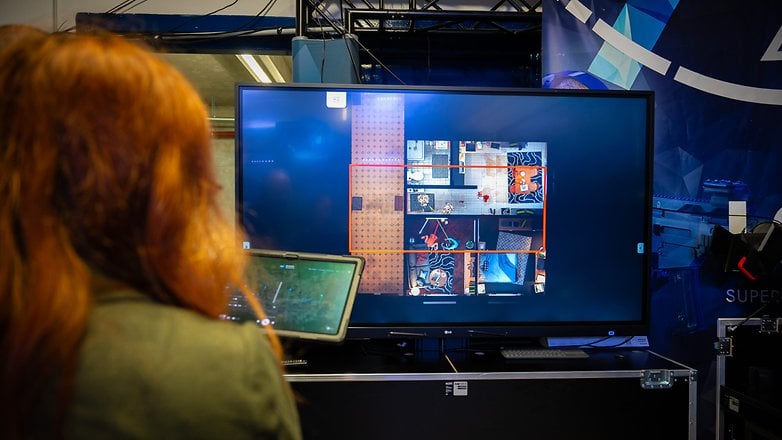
<point x="293" y="165"/>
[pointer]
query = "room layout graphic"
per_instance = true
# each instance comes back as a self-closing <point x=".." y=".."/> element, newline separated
<point x="456" y="217"/>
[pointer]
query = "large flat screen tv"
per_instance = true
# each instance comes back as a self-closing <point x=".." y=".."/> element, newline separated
<point x="480" y="212"/>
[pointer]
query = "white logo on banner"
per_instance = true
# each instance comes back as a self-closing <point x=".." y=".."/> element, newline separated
<point x="774" y="51"/>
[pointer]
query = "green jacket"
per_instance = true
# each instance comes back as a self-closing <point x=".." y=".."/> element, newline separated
<point x="148" y="370"/>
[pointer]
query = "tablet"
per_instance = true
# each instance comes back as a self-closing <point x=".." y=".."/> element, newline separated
<point x="304" y="295"/>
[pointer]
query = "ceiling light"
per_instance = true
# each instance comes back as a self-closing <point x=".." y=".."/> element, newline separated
<point x="269" y="66"/>
<point x="252" y="66"/>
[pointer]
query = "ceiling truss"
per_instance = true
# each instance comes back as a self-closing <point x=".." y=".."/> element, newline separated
<point x="319" y="18"/>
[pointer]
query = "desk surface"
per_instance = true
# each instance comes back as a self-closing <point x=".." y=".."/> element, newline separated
<point x="394" y="357"/>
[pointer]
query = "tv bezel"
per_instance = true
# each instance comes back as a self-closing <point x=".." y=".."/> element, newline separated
<point x="521" y="329"/>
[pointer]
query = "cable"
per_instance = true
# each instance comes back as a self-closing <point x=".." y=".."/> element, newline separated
<point x="120" y="6"/>
<point x="353" y="62"/>
<point x="342" y="33"/>
<point x="752" y="315"/>
<point x="137" y="4"/>
<point x="114" y="10"/>
<point x="329" y="20"/>
<point x="236" y="32"/>
<point x="189" y="20"/>
<point x="323" y="54"/>
<point x="171" y="34"/>
<point x="381" y="63"/>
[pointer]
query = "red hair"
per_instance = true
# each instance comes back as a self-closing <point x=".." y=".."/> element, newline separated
<point x="106" y="167"/>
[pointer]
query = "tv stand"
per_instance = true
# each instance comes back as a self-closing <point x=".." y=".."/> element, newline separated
<point x="390" y="389"/>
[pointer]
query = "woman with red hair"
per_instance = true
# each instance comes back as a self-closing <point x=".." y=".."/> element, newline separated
<point x="114" y="257"/>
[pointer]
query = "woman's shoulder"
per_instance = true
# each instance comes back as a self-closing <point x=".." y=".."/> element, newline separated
<point x="145" y="365"/>
<point x="129" y="329"/>
<point x="133" y="316"/>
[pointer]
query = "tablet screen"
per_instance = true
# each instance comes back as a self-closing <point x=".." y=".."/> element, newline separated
<point x="304" y="295"/>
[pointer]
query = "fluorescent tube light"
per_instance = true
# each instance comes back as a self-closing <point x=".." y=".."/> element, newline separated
<point x="252" y="66"/>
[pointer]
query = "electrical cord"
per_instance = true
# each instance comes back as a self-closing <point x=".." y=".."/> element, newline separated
<point x="200" y="17"/>
<point x="238" y="31"/>
<point x="750" y="316"/>
<point x="172" y="34"/>
<point x="118" y="7"/>
<point x="342" y="32"/>
<point x="133" y="6"/>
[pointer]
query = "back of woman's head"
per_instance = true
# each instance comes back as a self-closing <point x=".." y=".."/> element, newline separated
<point x="111" y="146"/>
<point x="12" y="33"/>
<point x="105" y="168"/>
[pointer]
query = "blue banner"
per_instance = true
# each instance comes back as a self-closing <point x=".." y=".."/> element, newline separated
<point x="716" y="69"/>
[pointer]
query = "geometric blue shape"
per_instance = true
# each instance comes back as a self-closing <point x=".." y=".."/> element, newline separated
<point x="645" y="29"/>
<point x="615" y="67"/>
<point x="660" y="10"/>
<point x="641" y="22"/>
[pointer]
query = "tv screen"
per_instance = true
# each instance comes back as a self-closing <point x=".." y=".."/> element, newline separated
<point x="479" y="212"/>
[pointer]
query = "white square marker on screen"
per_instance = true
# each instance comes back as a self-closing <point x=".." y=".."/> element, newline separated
<point x="336" y="99"/>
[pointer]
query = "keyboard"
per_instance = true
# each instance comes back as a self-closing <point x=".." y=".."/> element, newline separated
<point x="543" y="353"/>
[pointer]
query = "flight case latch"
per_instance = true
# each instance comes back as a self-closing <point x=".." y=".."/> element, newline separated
<point x="724" y="346"/>
<point x="657" y="379"/>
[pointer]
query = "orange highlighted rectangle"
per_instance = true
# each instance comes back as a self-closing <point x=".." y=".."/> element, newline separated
<point x="378" y="226"/>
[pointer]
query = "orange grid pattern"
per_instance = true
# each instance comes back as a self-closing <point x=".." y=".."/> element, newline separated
<point x="378" y="138"/>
